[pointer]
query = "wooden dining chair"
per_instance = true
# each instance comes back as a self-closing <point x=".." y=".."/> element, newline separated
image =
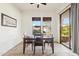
<point x="27" y="41"/>
<point x="38" y="41"/>
<point x="50" y="40"/>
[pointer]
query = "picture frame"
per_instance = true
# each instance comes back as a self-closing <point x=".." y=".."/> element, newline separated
<point x="8" y="21"/>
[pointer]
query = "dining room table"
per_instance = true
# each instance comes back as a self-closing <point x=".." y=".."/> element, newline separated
<point x="49" y="40"/>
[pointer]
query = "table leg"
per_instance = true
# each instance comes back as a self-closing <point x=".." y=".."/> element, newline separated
<point x="42" y="50"/>
<point x="34" y="50"/>
<point x="52" y="47"/>
<point x="23" y="47"/>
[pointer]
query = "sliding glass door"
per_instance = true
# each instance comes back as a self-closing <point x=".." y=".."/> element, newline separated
<point x="65" y="28"/>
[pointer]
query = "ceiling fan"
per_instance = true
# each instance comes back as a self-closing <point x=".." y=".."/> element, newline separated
<point x="39" y="4"/>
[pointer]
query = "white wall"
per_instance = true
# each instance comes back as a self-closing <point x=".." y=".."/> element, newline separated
<point x="9" y="36"/>
<point x="27" y="21"/>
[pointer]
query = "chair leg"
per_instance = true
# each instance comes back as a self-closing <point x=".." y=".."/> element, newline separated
<point x="32" y="47"/>
<point x="44" y="46"/>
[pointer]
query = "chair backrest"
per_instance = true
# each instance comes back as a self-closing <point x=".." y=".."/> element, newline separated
<point x="38" y="40"/>
<point x="38" y="37"/>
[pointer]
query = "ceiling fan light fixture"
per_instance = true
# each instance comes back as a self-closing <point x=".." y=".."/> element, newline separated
<point x="39" y="4"/>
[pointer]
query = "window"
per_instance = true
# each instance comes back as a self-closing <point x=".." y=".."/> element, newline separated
<point x="36" y="24"/>
<point x="41" y="25"/>
<point x="47" y="26"/>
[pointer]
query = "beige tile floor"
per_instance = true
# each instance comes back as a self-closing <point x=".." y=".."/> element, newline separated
<point x="59" y="50"/>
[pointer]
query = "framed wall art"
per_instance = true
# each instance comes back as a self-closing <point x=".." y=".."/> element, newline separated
<point x="8" y="21"/>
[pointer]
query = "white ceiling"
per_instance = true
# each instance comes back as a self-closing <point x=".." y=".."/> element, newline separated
<point x="49" y="6"/>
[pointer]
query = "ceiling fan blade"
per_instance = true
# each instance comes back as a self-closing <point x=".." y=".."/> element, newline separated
<point x="31" y="3"/>
<point x="44" y="3"/>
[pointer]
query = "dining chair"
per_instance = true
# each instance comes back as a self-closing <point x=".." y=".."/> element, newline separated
<point x="38" y="41"/>
<point x="48" y="41"/>
<point x="27" y="41"/>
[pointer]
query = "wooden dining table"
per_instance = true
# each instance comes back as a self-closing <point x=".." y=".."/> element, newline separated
<point x="45" y="40"/>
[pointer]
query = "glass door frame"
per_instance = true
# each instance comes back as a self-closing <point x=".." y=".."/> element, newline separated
<point x="69" y="30"/>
